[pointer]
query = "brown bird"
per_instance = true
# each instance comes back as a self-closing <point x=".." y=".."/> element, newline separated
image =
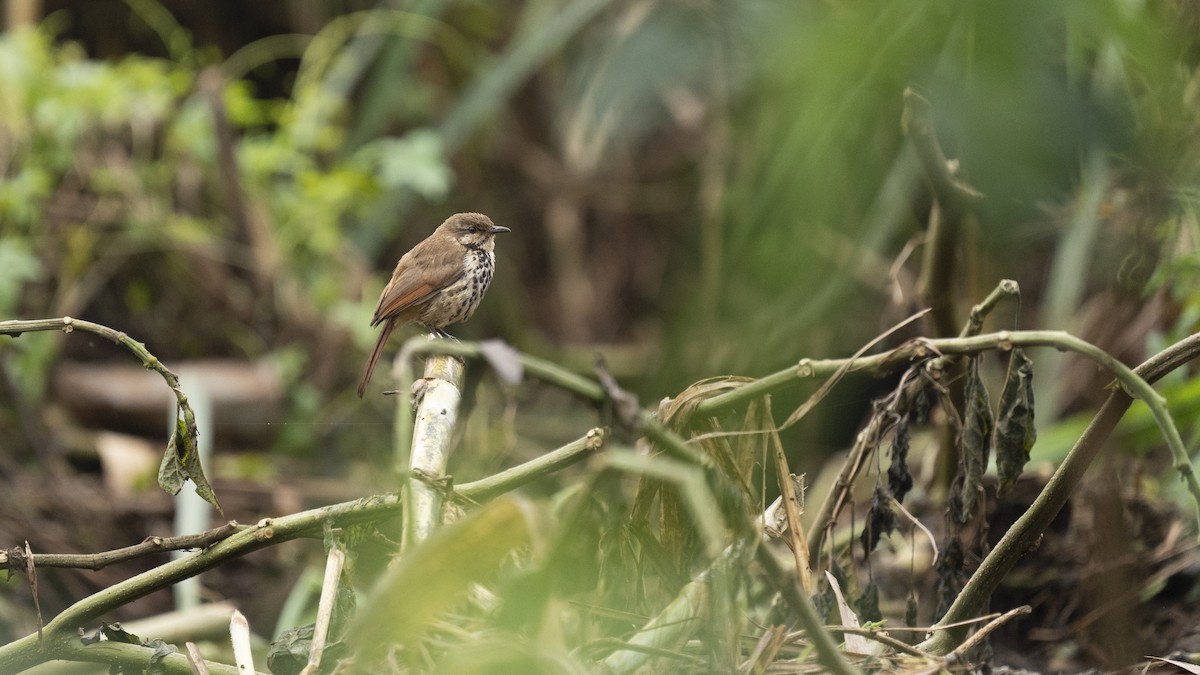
<point x="440" y="282"/>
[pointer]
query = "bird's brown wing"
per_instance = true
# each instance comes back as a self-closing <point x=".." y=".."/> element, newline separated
<point x="419" y="276"/>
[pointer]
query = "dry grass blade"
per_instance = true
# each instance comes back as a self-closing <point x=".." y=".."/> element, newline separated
<point x="765" y="650"/>
<point x="855" y="644"/>
<point x="31" y="574"/>
<point x="791" y="507"/>
<point x="675" y="412"/>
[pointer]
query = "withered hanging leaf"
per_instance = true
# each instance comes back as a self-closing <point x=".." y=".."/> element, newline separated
<point x="344" y="604"/>
<point x="923" y="405"/>
<point x="181" y="461"/>
<point x="910" y="610"/>
<point x="191" y="458"/>
<point x="881" y="520"/>
<point x="900" y="479"/>
<point x="1015" y="432"/>
<point x="950" y="574"/>
<point x="867" y="604"/>
<point x="976" y="440"/>
<point x="954" y="505"/>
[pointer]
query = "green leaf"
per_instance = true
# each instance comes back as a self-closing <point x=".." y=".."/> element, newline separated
<point x="191" y="457"/>
<point x="289" y="652"/>
<point x="415" y="161"/>
<point x="181" y="462"/>
<point x="430" y="578"/>
<point x="1015" y="432"/>
<point x="171" y="475"/>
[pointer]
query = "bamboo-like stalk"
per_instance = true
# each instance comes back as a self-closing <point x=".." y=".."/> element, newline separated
<point x="437" y="415"/>
<point x="334" y="561"/>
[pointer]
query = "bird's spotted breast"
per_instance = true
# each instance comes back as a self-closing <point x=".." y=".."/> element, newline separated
<point x="458" y="301"/>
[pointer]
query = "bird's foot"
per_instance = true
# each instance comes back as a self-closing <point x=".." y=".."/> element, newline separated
<point x="441" y="334"/>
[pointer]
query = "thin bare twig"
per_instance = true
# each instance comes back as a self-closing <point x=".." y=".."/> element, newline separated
<point x="98" y="561"/>
<point x="877" y="635"/>
<point x="992" y="625"/>
<point x="921" y="526"/>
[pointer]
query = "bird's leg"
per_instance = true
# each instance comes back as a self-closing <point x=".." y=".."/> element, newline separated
<point x="439" y="333"/>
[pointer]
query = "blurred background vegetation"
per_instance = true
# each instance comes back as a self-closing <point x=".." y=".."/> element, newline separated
<point x="695" y="188"/>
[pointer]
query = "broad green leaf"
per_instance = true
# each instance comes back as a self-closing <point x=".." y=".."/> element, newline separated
<point x="430" y="578"/>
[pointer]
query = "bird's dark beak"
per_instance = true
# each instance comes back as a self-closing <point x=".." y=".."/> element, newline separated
<point x="497" y="229"/>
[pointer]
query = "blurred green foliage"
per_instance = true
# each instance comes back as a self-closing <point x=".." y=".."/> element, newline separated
<point x="114" y="191"/>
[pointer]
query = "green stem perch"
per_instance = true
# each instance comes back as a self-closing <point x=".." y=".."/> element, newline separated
<point x="544" y="370"/>
<point x="509" y="479"/>
<point x="920" y="349"/>
<point x="67" y="324"/>
<point x="905" y="355"/>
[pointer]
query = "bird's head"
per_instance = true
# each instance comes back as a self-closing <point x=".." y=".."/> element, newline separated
<point x="473" y="230"/>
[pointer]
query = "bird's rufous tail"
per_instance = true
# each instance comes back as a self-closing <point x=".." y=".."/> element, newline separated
<point x="383" y="337"/>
